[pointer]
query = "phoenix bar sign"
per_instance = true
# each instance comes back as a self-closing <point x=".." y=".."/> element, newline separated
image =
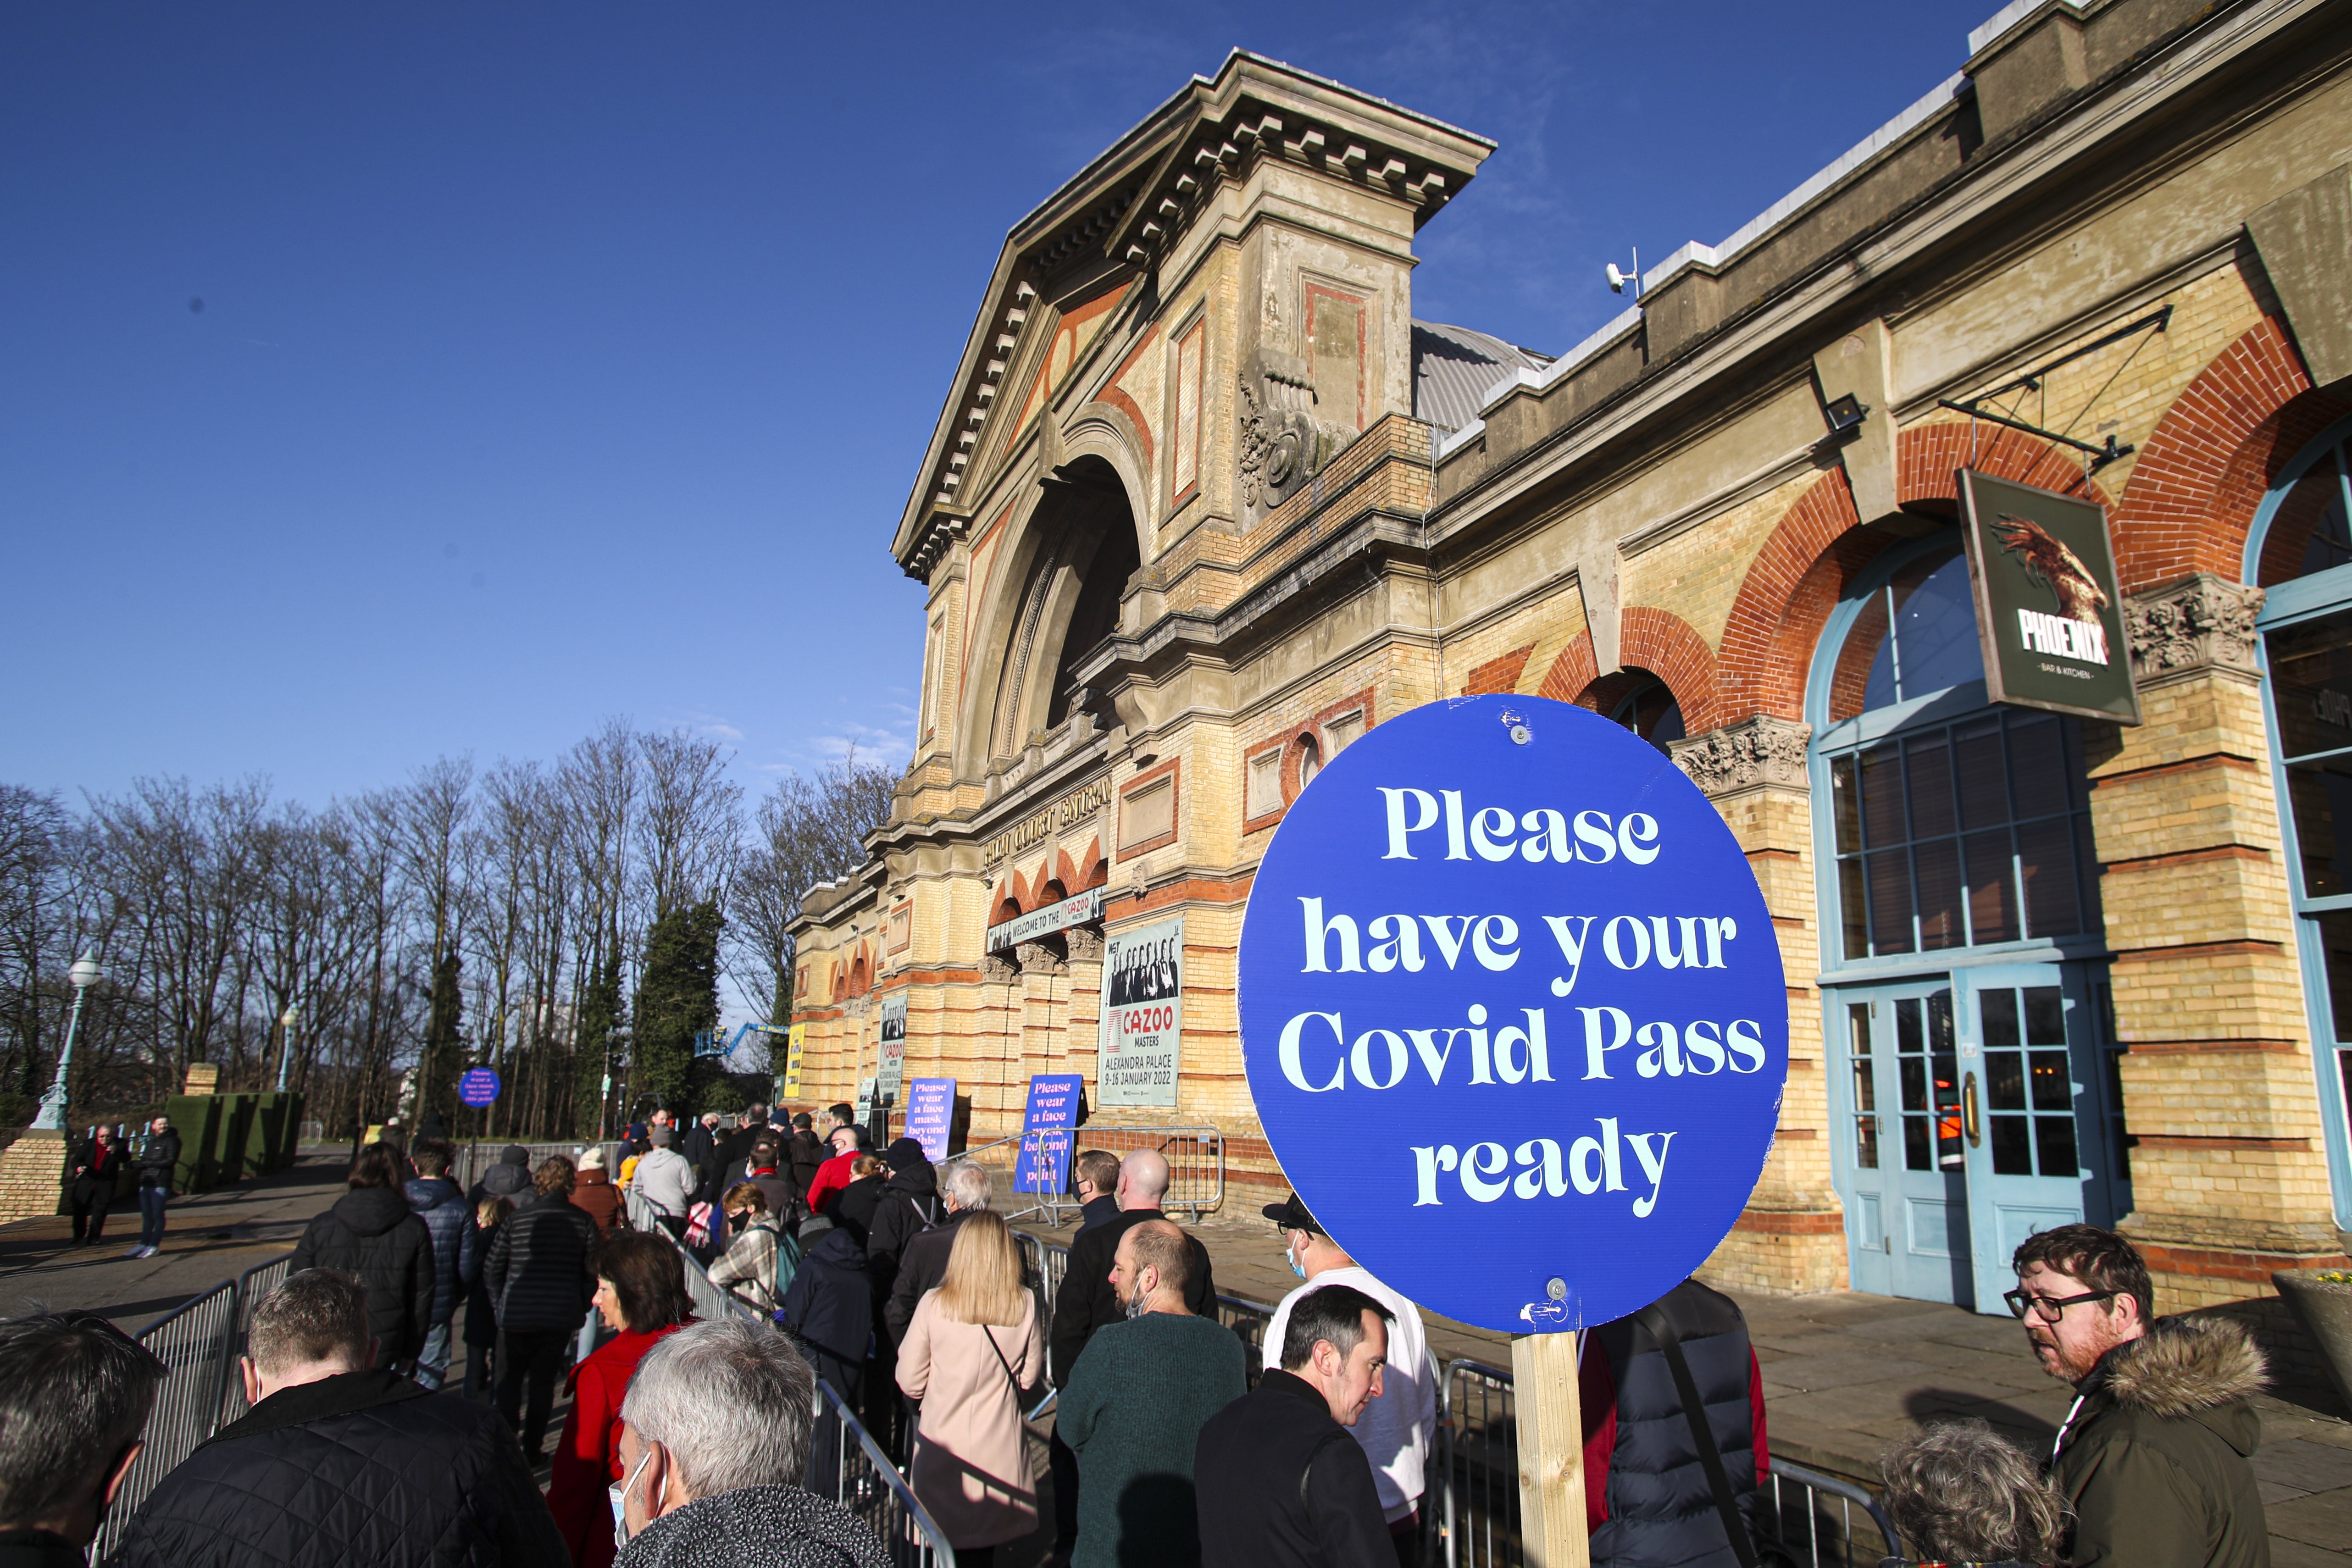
<point x="2048" y="608"/>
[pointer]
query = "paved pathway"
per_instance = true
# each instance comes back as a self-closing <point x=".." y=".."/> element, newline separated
<point x="1845" y="1374"/>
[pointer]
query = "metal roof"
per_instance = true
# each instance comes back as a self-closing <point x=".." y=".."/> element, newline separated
<point x="1455" y="369"/>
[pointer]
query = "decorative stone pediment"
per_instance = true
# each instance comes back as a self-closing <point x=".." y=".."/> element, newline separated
<point x="2190" y="627"/>
<point x="1758" y="751"/>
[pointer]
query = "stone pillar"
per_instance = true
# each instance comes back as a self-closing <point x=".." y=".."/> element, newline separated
<point x="1044" y="988"/>
<point x="1791" y="1237"/>
<point x="1083" y="1041"/>
<point x="996" y="1106"/>
<point x="32" y="1175"/>
<point x="2229" y="1173"/>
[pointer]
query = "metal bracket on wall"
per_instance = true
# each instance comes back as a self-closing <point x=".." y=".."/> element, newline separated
<point x="2101" y="455"/>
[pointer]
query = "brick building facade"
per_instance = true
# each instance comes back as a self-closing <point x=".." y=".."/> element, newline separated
<point x="1205" y="502"/>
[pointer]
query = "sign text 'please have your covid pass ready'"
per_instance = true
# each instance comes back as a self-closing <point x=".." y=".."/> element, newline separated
<point x="1513" y="1012"/>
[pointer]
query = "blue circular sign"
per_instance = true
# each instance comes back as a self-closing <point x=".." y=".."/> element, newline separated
<point x="479" y="1087"/>
<point x="1513" y="1013"/>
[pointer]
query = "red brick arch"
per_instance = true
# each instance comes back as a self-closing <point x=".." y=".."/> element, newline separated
<point x="2218" y="451"/>
<point x="1663" y="643"/>
<point x="1785" y="600"/>
<point x="1928" y="457"/>
<point x="1571" y="672"/>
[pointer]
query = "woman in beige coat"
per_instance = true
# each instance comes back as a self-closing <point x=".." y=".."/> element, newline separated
<point x="973" y="1348"/>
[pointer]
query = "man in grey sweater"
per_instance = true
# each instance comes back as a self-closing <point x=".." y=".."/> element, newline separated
<point x="1134" y="1407"/>
<point x="666" y="1180"/>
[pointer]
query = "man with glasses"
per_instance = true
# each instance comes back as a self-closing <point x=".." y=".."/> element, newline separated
<point x="2153" y="1455"/>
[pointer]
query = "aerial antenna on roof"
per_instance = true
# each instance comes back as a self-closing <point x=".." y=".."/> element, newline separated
<point x="1618" y="280"/>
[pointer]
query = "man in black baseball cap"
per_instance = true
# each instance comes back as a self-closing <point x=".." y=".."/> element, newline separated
<point x="1291" y="1214"/>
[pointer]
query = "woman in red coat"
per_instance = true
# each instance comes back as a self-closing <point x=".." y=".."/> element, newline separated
<point x="641" y="1293"/>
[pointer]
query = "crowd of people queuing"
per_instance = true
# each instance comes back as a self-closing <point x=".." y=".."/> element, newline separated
<point x="896" y="1282"/>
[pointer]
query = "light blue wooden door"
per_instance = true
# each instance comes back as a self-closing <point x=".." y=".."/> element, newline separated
<point x="2035" y="1117"/>
<point x="1901" y="1153"/>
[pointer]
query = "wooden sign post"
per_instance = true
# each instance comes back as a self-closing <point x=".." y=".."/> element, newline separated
<point x="1552" y="1450"/>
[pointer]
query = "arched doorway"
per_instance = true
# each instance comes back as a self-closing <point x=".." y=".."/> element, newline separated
<point x="1079" y="553"/>
<point x="1973" y="1092"/>
<point x="2300" y="552"/>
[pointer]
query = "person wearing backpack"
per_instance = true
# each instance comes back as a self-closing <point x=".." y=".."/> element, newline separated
<point x="760" y="1262"/>
<point x="909" y="1205"/>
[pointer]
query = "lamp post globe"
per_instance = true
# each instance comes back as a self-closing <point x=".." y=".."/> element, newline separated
<point x="290" y="1017"/>
<point x="84" y="974"/>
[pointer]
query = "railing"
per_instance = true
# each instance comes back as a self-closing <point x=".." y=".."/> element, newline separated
<point x="1249" y="1319"/>
<point x="845" y="1462"/>
<point x="1477" y="1457"/>
<point x="863" y="1481"/>
<point x="1808" y="1533"/>
<point x="475" y="1158"/>
<point x="198" y="1342"/>
<point x="1195" y="1155"/>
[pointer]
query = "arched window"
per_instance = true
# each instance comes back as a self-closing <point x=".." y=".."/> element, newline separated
<point x="2300" y="551"/>
<point x="1310" y="760"/>
<point x="1953" y="824"/>
<point x="1649" y="711"/>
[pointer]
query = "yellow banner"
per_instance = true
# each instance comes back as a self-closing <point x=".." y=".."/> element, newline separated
<point x="793" y="1042"/>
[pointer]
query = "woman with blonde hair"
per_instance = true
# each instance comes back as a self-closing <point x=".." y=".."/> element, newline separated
<point x="973" y="1349"/>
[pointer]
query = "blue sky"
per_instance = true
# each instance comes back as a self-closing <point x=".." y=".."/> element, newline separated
<point x="381" y="382"/>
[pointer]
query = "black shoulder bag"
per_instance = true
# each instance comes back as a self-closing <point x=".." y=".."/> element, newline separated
<point x="1710" y="1457"/>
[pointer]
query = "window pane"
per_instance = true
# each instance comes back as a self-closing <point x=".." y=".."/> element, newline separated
<point x="2054" y="1084"/>
<point x="2310" y="684"/>
<point x="1915" y="1082"/>
<point x="2045" y="1016"/>
<point x="2037" y="767"/>
<point x="2321" y="794"/>
<point x="1917" y="1155"/>
<point x="1999" y="1011"/>
<point x="1882" y="797"/>
<point x="2005" y="1080"/>
<point x="1935" y="641"/>
<point x="1856" y="908"/>
<point x="1866" y="1084"/>
<point x="1847" y="801"/>
<point x="1910" y="1038"/>
<point x="2307" y="533"/>
<point x="1865" y="664"/>
<point x="1977" y="763"/>
<point x="2336" y="941"/>
<point x="1992" y="902"/>
<point x="2012" y="1152"/>
<point x="1890" y="902"/>
<point x="2045" y="857"/>
<point x="1939" y="894"/>
<point x="1865" y="1142"/>
<point x="2056" y="1136"/>
<point x="1930" y="768"/>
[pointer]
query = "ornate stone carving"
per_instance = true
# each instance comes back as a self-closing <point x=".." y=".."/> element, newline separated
<point x="2201" y="623"/>
<point x="1762" y="750"/>
<point x="998" y="970"/>
<point x="1086" y="944"/>
<point x="1036" y="958"/>
<point x="1283" y="443"/>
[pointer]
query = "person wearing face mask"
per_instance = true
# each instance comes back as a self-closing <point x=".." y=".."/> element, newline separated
<point x="341" y="1461"/>
<point x="1396" y="1428"/>
<point x="1281" y="1486"/>
<point x="641" y="1294"/>
<point x="1135" y="1403"/>
<point x="714" y="1448"/>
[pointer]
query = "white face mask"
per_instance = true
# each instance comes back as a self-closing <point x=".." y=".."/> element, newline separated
<point x="618" y="1496"/>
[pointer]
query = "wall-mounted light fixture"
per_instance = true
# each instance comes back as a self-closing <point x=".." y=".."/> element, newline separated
<point x="1845" y="413"/>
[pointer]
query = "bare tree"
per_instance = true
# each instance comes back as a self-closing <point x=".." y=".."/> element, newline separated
<point x="809" y="831"/>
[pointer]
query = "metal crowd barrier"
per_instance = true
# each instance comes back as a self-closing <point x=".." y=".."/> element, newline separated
<point x="199" y="1343"/>
<point x="846" y="1463"/>
<point x="1196" y="1165"/>
<point x="1807" y="1533"/>
<point x="475" y="1159"/>
<point x="864" y="1481"/>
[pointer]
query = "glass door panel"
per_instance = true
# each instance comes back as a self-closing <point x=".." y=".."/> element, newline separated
<point x="1902" y="1146"/>
<point x="2034" y="1085"/>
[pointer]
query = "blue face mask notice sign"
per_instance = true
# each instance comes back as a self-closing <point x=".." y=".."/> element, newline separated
<point x="1044" y="1161"/>
<point x="1513" y="1013"/>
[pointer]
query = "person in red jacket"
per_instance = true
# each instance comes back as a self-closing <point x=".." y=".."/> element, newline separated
<point x="641" y="1293"/>
<point x="834" y="1174"/>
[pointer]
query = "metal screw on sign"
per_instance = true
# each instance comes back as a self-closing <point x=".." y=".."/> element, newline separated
<point x="1520" y="735"/>
<point x="1557" y="1290"/>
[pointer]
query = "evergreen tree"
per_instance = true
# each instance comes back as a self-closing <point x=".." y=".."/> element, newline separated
<point x="677" y="999"/>
<point x="603" y="1020"/>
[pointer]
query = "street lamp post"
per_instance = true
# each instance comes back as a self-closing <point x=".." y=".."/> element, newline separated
<point x="286" y="1052"/>
<point x="84" y="974"/>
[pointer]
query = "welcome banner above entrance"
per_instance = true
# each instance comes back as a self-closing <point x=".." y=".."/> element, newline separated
<point x="1080" y="910"/>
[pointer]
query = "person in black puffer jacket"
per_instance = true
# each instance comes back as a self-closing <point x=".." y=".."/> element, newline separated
<point x="444" y="1209"/>
<point x="510" y="1178"/>
<point x="910" y="1205"/>
<point x="542" y="1275"/>
<point x="158" y="1165"/>
<point x="370" y="1233"/>
<point x="1649" y="1501"/>
<point x="337" y="1464"/>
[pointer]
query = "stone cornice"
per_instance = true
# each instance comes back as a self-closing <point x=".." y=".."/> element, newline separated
<point x="1753" y="754"/>
<point x="2197" y="626"/>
